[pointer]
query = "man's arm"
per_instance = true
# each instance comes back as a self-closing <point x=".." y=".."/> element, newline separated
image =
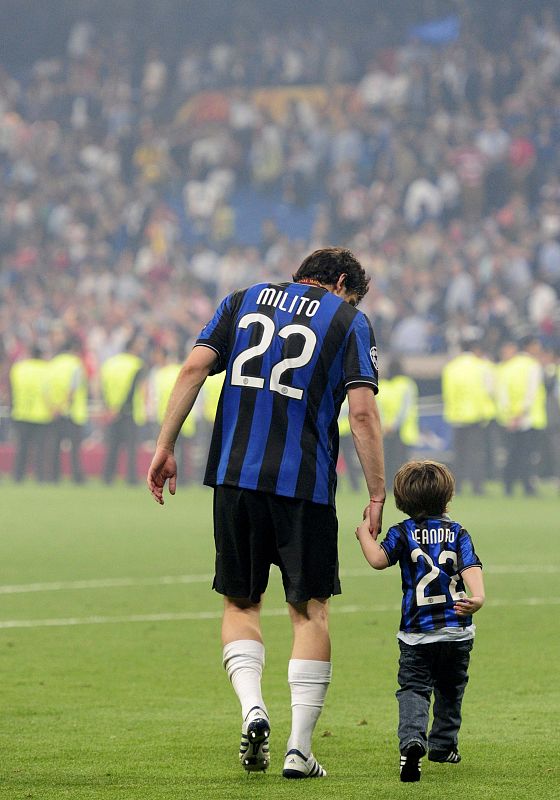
<point x="372" y="550"/>
<point x="365" y="425"/>
<point x="193" y="373"/>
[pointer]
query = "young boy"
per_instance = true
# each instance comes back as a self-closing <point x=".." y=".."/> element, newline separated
<point x="437" y="560"/>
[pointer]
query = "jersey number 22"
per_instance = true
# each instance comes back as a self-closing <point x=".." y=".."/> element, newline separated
<point x="268" y="333"/>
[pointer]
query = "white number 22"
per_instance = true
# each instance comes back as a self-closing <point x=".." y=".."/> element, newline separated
<point x="268" y="332"/>
<point x="421" y="599"/>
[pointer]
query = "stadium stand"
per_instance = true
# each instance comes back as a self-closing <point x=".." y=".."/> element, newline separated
<point x="141" y="183"/>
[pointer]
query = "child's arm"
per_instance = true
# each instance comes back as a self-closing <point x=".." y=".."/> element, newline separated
<point x="475" y="584"/>
<point x="374" y="553"/>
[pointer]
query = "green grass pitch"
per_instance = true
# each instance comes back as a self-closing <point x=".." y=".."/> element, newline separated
<point x="112" y="686"/>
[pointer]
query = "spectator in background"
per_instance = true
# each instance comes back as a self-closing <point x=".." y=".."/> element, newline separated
<point x="353" y="470"/>
<point x="161" y="380"/>
<point x="68" y="398"/>
<point x="521" y="412"/>
<point x="123" y="392"/>
<point x="493" y="143"/>
<point x="551" y="449"/>
<point x="468" y="406"/>
<point x="398" y="407"/>
<point x="423" y="200"/>
<point x="461" y="290"/>
<point x="31" y="413"/>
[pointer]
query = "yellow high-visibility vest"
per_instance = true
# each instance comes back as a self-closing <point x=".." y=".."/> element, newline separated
<point x="211" y="392"/>
<point x="489" y="380"/>
<point x="514" y="378"/>
<point x="117" y="376"/>
<point x="29" y="386"/>
<point x="68" y="391"/>
<point x="164" y="381"/>
<point x="466" y="385"/>
<point x="398" y="405"/>
<point x="343" y="421"/>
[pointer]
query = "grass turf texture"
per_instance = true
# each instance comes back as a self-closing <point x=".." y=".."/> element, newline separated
<point x="142" y="709"/>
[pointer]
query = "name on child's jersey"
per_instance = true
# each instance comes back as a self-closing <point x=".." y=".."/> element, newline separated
<point x="433" y="535"/>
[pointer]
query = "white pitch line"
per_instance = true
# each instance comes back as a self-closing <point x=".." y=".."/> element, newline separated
<point x="174" y="580"/>
<point x="103" y="583"/>
<point x="203" y="615"/>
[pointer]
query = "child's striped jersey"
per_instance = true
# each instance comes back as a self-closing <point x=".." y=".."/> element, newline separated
<point x="432" y="554"/>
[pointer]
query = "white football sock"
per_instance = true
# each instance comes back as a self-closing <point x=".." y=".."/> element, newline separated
<point x="244" y="661"/>
<point x="309" y="681"/>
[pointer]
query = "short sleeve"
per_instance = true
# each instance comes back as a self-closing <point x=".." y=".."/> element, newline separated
<point x="392" y="544"/>
<point x="216" y="333"/>
<point x="360" y="357"/>
<point x="466" y="556"/>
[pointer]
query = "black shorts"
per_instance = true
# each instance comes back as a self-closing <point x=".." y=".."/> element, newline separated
<point x="253" y="530"/>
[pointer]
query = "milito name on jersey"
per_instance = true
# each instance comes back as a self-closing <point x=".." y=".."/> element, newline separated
<point x="290" y="351"/>
<point x="432" y="556"/>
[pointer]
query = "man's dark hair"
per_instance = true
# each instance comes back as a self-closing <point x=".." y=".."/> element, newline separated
<point x="328" y="264"/>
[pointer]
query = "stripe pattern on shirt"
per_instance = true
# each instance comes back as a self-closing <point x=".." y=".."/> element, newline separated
<point x="289" y="351"/>
<point x="432" y="554"/>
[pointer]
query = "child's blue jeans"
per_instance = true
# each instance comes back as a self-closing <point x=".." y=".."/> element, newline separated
<point x="441" y="668"/>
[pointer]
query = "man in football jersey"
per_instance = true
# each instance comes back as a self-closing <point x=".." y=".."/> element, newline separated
<point x="291" y="353"/>
<point x="437" y="560"/>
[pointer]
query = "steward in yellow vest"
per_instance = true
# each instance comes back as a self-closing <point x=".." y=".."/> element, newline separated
<point x="68" y="397"/>
<point x="31" y="413"/>
<point x="521" y="410"/>
<point x="353" y="468"/>
<point x="551" y="443"/>
<point x="162" y="380"/>
<point x="467" y="384"/>
<point x="123" y="387"/>
<point x="212" y="391"/>
<point x="398" y="407"/>
<point x="521" y="393"/>
<point x="467" y="387"/>
<point x="204" y="412"/>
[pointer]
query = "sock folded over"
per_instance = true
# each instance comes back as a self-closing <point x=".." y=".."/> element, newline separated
<point x="244" y="661"/>
<point x="309" y="681"/>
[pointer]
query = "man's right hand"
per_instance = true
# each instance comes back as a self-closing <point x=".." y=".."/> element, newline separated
<point x="374" y="513"/>
<point x="162" y="468"/>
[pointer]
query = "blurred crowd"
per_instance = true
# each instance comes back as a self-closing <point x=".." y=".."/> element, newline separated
<point x="128" y="182"/>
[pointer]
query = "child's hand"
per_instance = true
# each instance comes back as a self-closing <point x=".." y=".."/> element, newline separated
<point x="468" y="606"/>
<point x="364" y="528"/>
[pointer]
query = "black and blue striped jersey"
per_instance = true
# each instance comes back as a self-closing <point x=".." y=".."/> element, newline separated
<point x="432" y="554"/>
<point x="290" y="351"/>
